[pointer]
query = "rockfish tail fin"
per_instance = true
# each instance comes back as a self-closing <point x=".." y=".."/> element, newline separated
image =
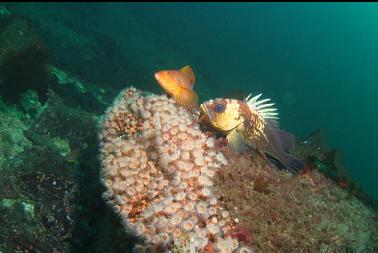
<point x="279" y="143"/>
<point x="291" y="163"/>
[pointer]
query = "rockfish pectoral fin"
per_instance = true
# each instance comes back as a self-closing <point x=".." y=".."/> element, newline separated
<point x="236" y="141"/>
<point x="186" y="98"/>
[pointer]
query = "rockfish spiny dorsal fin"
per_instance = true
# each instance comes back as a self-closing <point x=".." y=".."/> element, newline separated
<point x="266" y="110"/>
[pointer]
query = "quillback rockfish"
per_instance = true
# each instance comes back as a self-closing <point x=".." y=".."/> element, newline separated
<point x="251" y="123"/>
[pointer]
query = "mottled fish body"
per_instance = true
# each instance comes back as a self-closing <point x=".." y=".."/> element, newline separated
<point x="251" y="123"/>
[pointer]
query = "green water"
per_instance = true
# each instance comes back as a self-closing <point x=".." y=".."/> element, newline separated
<point x="63" y="64"/>
<point x="317" y="61"/>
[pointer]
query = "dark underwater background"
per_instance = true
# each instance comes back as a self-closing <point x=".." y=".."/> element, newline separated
<point x="317" y="61"/>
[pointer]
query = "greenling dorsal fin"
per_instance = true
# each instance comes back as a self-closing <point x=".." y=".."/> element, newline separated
<point x="266" y="110"/>
<point x="236" y="141"/>
<point x="188" y="71"/>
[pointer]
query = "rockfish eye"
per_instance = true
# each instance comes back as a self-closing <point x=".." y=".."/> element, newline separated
<point x="219" y="108"/>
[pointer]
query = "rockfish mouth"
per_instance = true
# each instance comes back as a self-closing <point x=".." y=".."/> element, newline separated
<point x="204" y="112"/>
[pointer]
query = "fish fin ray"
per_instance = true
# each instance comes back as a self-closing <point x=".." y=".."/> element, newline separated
<point x="188" y="71"/>
<point x="291" y="163"/>
<point x="262" y="107"/>
<point x="236" y="141"/>
<point x="273" y="121"/>
<point x="186" y="98"/>
<point x="279" y="143"/>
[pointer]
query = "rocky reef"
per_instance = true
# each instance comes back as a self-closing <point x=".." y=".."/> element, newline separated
<point x="56" y="81"/>
<point x="177" y="187"/>
<point x="158" y="169"/>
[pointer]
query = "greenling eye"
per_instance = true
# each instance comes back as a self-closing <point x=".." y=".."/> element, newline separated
<point x="219" y="108"/>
